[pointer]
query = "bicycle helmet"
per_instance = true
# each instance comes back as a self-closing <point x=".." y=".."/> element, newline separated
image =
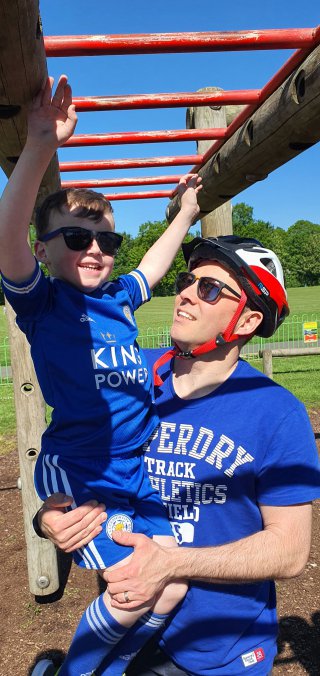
<point x="257" y="269"/>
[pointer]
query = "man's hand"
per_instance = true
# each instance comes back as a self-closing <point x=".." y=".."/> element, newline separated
<point x="74" y="529"/>
<point x="52" y="117"/>
<point x="144" y="577"/>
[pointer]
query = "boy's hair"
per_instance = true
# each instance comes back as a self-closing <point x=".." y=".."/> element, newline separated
<point x="92" y="205"/>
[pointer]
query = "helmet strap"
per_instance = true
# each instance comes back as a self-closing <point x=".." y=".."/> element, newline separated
<point x="221" y="339"/>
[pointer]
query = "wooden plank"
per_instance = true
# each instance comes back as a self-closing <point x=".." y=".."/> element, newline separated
<point x="267" y="355"/>
<point x="30" y="412"/>
<point x="285" y="125"/>
<point x="22" y="71"/>
<point x="291" y="351"/>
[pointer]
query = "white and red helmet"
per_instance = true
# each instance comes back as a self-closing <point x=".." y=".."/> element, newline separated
<point x="257" y="269"/>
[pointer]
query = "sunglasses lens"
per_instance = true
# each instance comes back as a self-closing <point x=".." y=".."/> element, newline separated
<point x="183" y="280"/>
<point x="109" y="242"/>
<point x="208" y="289"/>
<point x="77" y="239"/>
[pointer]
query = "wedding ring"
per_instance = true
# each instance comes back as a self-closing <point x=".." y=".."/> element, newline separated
<point x="126" y="597"/>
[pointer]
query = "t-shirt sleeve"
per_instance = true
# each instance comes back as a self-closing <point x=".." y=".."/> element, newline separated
<point x="137" y="287"/>
<point x="30" y="299"/>
<point x="290" y="472"/>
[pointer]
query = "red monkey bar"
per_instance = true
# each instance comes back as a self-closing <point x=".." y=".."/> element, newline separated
<point x="176" y="100"/>
<point x="159" y="43"/>
<point x="303" y="39"/>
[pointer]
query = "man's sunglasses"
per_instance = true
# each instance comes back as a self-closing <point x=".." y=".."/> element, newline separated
<point x="78" y="239"/>
<point x="208" y="288"/>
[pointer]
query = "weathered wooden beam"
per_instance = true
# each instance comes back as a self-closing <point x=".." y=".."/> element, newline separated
<point x="285" y="125"/>
<point x="23" y="70"/>
<point x="31" y="423"/>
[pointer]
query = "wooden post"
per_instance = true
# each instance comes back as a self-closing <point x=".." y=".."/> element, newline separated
<point x="267" y="362"/>
<point x="30" y="412"/>
<point x="23" y="70"/>
<point x="219" y="221"/>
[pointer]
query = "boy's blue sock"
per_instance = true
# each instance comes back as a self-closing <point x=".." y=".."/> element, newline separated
<point x="119" y="659"/>
<point x="96" y="635"/>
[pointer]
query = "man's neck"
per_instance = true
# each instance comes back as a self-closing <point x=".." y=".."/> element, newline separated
<point x="197" y="377"/>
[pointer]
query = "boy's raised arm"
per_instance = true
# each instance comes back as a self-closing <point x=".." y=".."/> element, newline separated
<point x="51" y="121"/>
<point x="157" y="261"/>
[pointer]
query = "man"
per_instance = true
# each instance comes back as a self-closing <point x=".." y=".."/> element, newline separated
<point x="236" y="465"/>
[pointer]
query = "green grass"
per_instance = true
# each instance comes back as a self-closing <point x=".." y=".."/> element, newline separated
<point x="300" y="375"/>
<point x="304" y="300"/>
<point x="7" y="420"/>
<point x="3" y="324"/>
<point x="157" y="313"/>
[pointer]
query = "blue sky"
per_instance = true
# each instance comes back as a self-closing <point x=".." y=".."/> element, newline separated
<point x="288" y="194"/>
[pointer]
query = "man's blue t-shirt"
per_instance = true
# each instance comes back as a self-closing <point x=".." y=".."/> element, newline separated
<point x="213" y="460"/>
<point x="88" y="362"/>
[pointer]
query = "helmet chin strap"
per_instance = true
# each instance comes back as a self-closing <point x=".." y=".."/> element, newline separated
<point x="221" y="339"/>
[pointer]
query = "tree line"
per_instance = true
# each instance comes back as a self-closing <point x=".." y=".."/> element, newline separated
<point x="298" y="248"/>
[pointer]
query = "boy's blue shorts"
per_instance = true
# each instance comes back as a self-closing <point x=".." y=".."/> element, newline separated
<point x="122" y="484"/>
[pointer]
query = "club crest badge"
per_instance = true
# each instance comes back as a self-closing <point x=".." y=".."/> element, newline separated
<point x="128" y="314"/>
<point x="119" y="522"/>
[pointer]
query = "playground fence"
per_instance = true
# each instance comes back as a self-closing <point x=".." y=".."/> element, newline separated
<point x="294" y="333"/>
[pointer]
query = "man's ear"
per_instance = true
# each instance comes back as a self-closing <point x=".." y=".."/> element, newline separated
<point x="248" y="322"/>
<point x="40" y="252"/>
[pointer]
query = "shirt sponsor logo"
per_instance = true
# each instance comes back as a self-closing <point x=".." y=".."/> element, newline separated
<point x="252" y="658"/>
<point x="119" y="522"/>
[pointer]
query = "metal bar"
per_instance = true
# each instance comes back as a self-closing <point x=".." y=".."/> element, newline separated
<point x="113" y="182"/>
<point x="174" y="100"/>
<point x="120" y="138"/>
<point x="156" y="43"/>
<point x="139" y="195"/>
<point x="128" y="163"/>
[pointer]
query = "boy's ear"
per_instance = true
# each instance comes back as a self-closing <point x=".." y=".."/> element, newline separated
<point x="40" y="251"/>
<point x="248" y="322"/>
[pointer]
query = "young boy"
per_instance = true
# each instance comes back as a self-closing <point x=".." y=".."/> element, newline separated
<point x="82" y="333"/>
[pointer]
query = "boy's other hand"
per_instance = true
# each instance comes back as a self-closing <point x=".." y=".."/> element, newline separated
<point x="188" y="188"/>
<point x="52" y="117"/>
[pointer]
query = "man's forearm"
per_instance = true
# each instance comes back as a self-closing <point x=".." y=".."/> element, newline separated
<point x="264" y="555"/>
<point x="245" y="561"/>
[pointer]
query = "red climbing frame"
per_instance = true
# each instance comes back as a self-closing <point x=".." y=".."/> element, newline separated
<point x="303" y="40"/>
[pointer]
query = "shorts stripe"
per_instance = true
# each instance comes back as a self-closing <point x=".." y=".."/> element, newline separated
<point x="55" y="480"/>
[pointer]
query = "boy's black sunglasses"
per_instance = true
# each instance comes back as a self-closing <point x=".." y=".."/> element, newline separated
<point x="208" y="288"/>
<point x="79" y="239"/>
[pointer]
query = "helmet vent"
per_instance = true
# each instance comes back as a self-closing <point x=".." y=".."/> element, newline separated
<point x="269" y="264"/>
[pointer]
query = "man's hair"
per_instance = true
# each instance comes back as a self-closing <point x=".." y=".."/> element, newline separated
<point x="92" y="205"/>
